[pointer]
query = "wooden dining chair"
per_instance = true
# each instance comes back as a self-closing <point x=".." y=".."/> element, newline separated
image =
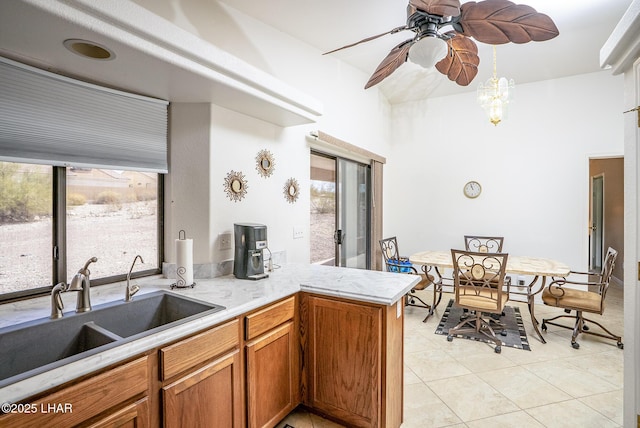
<point x="394" y="262"/>
<point x="590" y="299"/>
<point x="479" y="286"/>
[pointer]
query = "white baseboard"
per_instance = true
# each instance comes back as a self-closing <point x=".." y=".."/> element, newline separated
<point x="617" y="281"/>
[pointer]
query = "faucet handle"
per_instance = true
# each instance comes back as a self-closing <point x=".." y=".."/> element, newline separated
<point x="134" y="289"/>
<point x="76" y="282"/>
<point x="91" y="260"/>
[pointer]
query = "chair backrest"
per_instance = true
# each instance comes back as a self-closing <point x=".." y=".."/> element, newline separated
<point x="483" y="244"/>
<point x="392" y="259"/>
<point x="478" y="279"/>
<point x="390" y="253"/>
<point x="389" y="247"/>
<point x="607" y="270"/>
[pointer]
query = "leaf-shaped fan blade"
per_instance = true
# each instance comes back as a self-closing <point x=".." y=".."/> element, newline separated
<point x="395" y="30"/>
<point x="395" y="59"/>
<point x="438" y="7"/>
<point x="500" y="21"/>
<point x="461" y="62"/>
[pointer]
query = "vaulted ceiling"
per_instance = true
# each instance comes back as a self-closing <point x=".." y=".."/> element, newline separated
<point x="30" y="32"/>
<point x="584" y="26"/>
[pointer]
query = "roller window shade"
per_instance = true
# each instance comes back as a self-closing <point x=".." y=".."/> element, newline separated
<point x="50" y="119"/>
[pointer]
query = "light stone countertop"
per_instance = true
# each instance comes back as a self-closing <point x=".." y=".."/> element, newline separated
<point x="237" y="296"/>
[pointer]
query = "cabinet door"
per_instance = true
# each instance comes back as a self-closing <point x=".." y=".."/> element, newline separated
<point x="272" y="376"/>
<point x="344" y="367"/>
<point x="209" y="397"/>
<point x="135" y="415"/>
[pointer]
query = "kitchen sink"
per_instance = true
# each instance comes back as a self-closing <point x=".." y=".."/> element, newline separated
<point x="152" y="312"/>
<point x="40" y="345"/>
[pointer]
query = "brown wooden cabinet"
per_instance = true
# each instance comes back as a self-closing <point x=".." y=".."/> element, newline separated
<point x="341" y="358"/>
<point x="104" y="399"/>
<point x="353" y="361"/>
<point x="203" y="380"/>
<point x="273" y="364"/>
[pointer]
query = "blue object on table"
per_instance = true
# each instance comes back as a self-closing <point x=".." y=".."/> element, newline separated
<point x="402" y="265"/>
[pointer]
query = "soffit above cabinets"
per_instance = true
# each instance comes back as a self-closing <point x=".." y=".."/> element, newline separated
<point x="153" y="57"/>
<point x="623" y="46"/>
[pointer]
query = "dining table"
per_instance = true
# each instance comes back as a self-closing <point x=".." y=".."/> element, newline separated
<point x="537" y="267"/>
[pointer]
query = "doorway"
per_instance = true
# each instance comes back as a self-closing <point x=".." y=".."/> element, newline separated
<point x="606" y="212"/>
<point x="340" y="211"/>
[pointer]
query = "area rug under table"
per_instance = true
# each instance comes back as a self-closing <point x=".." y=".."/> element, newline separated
<point x="516" y="335"/>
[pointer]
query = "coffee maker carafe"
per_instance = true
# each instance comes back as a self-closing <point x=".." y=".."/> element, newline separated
<point x="250" y="239"/>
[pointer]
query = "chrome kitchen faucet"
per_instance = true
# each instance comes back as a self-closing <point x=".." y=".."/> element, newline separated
<point x="81" y="284"/>
<point x="132" y="289"/>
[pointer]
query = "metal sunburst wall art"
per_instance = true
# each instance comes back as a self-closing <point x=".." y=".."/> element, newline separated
<point x="265" y="163"/>
<point x="291" y="190"/>
<point x="235" y="186"/>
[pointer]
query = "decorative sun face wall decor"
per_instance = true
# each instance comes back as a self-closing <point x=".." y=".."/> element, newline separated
<point x="235" y="185"/>
<point x="291" y="190"/>
<point x="265" y="163"/>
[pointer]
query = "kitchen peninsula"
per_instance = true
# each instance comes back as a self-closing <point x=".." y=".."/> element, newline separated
<point x="330" y="329"/>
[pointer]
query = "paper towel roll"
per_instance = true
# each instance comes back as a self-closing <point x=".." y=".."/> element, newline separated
<point x="184" y="262"/>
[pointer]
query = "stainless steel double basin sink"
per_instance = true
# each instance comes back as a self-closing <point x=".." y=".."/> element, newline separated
<point x="40" y="345"/>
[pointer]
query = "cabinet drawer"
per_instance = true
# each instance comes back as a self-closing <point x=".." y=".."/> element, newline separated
<point x="268" y="318"/>
<point x="176" y="358"/>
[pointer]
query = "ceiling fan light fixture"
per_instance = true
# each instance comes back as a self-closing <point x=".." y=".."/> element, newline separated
<point x="495" y="95"/>
<point x="427" y="51"/>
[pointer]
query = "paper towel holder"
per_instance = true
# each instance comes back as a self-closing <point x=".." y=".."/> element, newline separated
<point x="181" y="270"/>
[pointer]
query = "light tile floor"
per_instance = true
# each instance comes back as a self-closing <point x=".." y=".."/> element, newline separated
<point x="464" y="383"/>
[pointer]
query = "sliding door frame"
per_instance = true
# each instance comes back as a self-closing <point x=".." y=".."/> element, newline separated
<point x="327" y="144"/>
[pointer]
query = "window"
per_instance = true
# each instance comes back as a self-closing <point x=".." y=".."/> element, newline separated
<point x="109" y="214"/>
<point x="25" y="226"/>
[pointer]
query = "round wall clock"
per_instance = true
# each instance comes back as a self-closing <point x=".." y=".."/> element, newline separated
<point x="472" y="189"/>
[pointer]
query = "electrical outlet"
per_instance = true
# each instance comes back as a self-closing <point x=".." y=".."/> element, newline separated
<point x="298" y="232"/>
<point x="224" y="241"/>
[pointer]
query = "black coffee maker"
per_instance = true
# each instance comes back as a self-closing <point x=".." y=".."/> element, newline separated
<point x="251" y="239"/>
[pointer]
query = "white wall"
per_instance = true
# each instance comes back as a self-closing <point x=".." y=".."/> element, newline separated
<point x="207" y="142"/>
<point x="533" y="167"/>
<point x="187" y="187"/>
<point x="235" y="142"/>
<point x="350" y="113"/>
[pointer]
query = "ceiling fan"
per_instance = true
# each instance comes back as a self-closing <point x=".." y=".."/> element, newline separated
<point x="490" y="21"/>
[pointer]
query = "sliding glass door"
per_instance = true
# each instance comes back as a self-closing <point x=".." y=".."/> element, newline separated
<point x="353" y="214"/>
<point x="340" y="211"/>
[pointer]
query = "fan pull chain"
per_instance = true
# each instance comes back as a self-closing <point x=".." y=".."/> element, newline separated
<point x="495" y="64"/>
